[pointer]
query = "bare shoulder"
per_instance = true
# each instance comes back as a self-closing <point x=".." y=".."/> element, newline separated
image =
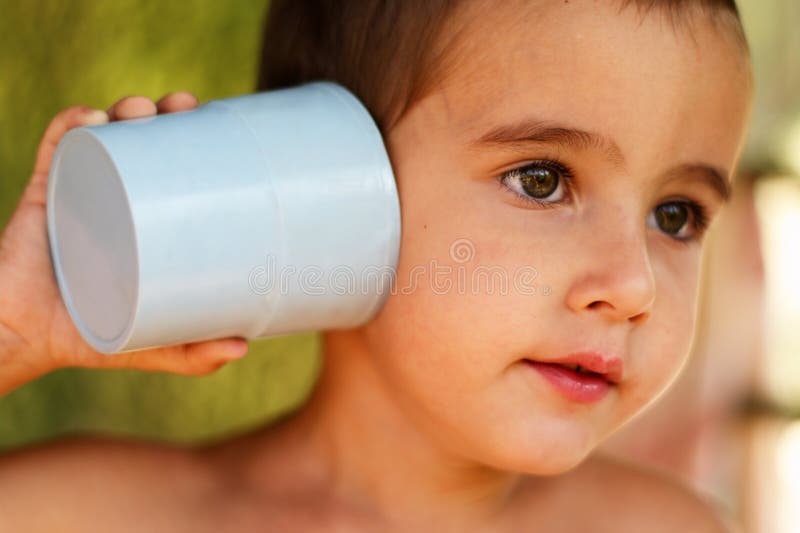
<point x="606" y="495"/>
<point x="64" y="483"/>
<point x="646" y="499"/>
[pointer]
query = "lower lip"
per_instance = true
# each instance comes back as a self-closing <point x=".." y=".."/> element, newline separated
<point x="583" y="388"/>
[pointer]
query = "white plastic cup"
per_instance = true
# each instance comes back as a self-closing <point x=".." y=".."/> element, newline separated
<point x="255" y="216"/>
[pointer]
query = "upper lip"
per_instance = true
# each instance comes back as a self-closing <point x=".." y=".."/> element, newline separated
<point x="610" y="366"/>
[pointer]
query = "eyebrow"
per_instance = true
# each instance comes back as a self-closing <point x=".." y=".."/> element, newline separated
<point x="713" y="177"/>
<point x="521" y="133"/>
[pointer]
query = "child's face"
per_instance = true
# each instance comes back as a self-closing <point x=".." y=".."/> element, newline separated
<point x="610" y="272"/>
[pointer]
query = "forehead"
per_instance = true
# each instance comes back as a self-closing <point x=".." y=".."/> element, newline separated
<point x="632" y="77"/>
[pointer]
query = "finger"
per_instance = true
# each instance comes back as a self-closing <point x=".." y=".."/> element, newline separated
<point x="131" y="107"/>
<point x="177" y="101"/>
<point x="197" y="358"/>
<point x="65" y="120"/>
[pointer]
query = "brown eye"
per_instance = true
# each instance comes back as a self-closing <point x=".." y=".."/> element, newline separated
<point x="672" y="217"/>
<point x="539" y="182"/>
<point x="543" y="183"/>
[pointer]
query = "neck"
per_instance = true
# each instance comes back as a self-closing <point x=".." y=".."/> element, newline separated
<point x="375" y="457"/>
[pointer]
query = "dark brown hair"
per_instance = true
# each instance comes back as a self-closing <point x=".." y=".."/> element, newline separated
<point x="385" y="51"/>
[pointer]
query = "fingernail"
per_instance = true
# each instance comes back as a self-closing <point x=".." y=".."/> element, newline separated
<point x="94" y="117"/>
<point x="236" y="349"/>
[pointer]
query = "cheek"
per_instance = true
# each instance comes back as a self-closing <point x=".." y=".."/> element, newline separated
<point x="427" y="329"/>
<point x="441" y="339"/>
<point x="426" y="350"/>
<point x="429" y="334"/>
<point x="664" y="343"/>
<point x="472" y="286"/>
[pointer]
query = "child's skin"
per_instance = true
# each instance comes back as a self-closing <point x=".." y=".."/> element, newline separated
<point x="427" y="418"/>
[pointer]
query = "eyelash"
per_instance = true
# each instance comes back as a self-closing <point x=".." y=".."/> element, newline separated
<point x="698" y="212"/>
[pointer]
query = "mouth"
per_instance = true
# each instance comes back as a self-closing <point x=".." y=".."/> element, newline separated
<point x="579" y="369"/>
<point x="587" y="383"/>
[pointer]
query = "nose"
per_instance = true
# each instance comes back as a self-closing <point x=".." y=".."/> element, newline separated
<point x="615" y="278"/>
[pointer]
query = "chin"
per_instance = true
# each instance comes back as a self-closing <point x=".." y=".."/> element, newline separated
<point x="552" y="465"/>
<point x="540" y="452"/>
<point x="556" y="463"/>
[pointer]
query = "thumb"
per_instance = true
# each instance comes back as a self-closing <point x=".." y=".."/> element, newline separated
<point x="197" y="358"/>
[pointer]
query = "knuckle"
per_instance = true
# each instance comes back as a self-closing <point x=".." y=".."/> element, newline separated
<point x="74" y="110"/>
<point x="185" y="356"/>
<point x="190" y="365"/>
<point x="177" y="98"/>
<point x="141" y="98"/>
<point x="124" y="99"/>
<point x="68" y="115"/>
<point x="36" y="192"/>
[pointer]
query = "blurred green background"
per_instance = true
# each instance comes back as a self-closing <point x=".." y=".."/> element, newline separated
<point x="56" y="54"/>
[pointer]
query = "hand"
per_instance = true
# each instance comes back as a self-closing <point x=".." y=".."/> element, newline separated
<point x="36" y="332"/>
